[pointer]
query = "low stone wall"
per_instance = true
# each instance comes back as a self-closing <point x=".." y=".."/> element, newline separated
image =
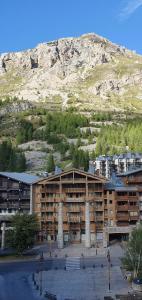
<point x="137" y="285"/>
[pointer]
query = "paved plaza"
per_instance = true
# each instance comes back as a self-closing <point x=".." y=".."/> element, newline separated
<point x="50" y="249"/>
<point x="88" y="284"/>
<point x="78" y="250"/>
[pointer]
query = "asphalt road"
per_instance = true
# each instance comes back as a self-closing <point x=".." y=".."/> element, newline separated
<point x="14" y="276"/>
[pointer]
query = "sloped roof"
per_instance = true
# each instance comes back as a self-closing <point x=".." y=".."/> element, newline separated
<point x="77" y="171"/>
<point x="23" y="177"/>
<point x="130" y="172"/>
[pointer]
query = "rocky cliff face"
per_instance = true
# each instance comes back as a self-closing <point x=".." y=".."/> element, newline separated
<point x="88" y="72"/>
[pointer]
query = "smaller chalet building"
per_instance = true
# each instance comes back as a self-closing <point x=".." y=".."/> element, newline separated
<point x="15" y="195"/>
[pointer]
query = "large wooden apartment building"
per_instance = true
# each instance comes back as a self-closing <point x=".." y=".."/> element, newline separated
<point x="70" y="207"/>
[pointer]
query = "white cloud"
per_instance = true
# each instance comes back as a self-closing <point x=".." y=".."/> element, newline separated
<point x="129" y="8"/>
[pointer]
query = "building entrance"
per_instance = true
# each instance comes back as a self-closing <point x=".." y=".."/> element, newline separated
<point x="75" y="236"/>
<point x="118" y="237"/>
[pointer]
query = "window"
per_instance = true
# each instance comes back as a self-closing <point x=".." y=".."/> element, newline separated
<point x="133" y="213"/>
<point x="132" y="193"/>
<point x="110" y="192"/>
<point x="105" y="200"/>
<point x="110" y="201"/>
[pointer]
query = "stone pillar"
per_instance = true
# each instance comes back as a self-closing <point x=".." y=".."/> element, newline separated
<point x="60" y="226"/>
<point x="105" y="238"/>
<point x="3" y="236"/>
<point x="87" y="226"/>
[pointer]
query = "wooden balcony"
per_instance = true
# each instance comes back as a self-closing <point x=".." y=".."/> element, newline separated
<point x="99" y="208"/>
<point x="49" y="227"/>
<point x="133" y="208"/>
<point x="3" y="188"/>
<point x="48" y="219"/>
<point x="99" y="227"/>
<point x="65" y="218"/>
<point x="75" y="200"/>
<point x="122" y="207"/>
<point x="15" y="206"/>
<point x="74" y="190"/>
<point x="48" y="209"/>
<point x="99" y="218"/>
<point x="48" y="199"/>
<point x="13" y="197"/>
<point x="134" y="218"/>
<point x="13" y="188"/>
<point x="122" y="217"/>
<point x="3" y="205"/>
<point x="134" y="180"/>
<point x="74" y="219"/>
<point x="66" y="227"/>
<point x="25" y="196"/>
<point x="74" y="209"/>
<point x="96" y="198"/>
<point x="24" y="206"/>
<point x="122" y="223"/>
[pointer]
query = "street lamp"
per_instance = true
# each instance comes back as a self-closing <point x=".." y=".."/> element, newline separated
<point x="40" y="272"/>
<point x="108" y="257"/>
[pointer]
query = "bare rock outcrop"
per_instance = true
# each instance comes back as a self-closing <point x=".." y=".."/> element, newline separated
<point x="56" y="69"/>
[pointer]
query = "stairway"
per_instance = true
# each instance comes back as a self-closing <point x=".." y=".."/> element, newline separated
<point x="72" y="263"/>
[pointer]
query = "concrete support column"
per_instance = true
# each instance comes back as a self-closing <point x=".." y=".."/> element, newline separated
<point x="87" y="225"/>
<point x="60" y="226"/>
<point x="3" y="236"/>
<point x="105" y="238"/>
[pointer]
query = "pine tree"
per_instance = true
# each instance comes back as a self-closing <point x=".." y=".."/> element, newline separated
<point x="50" y="163"/>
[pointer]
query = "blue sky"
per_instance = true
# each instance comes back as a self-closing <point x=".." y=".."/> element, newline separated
<point x="25" y="23"/>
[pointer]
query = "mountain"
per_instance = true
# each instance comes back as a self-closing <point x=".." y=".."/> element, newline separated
<point x="89" y="73"/>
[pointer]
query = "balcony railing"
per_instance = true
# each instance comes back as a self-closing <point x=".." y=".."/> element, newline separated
<point x="25" y="196"/>
<point x="3" y="205"/>
<point x="99" y="208"/>
<point x="135" y="179"/>
<point x="134" y="218"/>
<point x="122" y="207"/>
<point x="122" y="217"/>
<point x="48" y="218"/>
<point x="74" y="190"/>
<point x="72" y="219"/>
<point x="133" y="208"/>
<point x="74" y="209"/>
<point x="80" y="199"/>
<point x="48" y="208"/>
<point x="13" y="197"/>
<point x="126" y="197"/>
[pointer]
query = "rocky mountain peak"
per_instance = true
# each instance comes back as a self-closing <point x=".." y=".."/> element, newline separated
<point x="71" y="71"/>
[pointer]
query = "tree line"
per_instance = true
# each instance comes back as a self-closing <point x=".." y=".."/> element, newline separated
<point x="119" y="138"/>
<point x="11" y="159"/>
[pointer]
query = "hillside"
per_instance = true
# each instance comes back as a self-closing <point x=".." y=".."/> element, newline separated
<point x="89" y="73"/>
<point x="74" y="98"/>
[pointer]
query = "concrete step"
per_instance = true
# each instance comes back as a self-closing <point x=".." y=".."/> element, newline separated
<point x="73" y="263"/>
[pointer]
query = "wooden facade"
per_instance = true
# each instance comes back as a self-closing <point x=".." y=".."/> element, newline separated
<point x="73" y="188"/>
